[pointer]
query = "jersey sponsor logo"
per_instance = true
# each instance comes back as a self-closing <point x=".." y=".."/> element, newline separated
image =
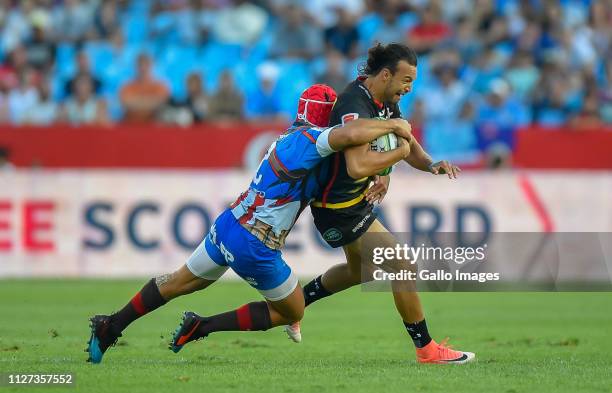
<point x="361" y="223"/>
<point x="332" y="235"/>
<point x="349" y="117"/>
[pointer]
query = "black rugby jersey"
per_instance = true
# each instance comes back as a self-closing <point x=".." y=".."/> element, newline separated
<point x="337" y="188"/>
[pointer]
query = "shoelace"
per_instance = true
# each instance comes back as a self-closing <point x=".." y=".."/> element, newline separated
<point x="445" y="349"/>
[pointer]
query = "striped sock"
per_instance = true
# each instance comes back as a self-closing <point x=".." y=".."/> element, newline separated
<point x="252" y="316"/>
<point x="145" y="301"/>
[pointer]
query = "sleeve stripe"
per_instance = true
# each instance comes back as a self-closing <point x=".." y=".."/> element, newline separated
<point x="309" y="136"/>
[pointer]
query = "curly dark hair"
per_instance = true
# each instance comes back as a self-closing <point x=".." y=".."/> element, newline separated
<point x="387" y="56"/>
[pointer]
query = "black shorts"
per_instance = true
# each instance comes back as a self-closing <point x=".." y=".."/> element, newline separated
<point x="339" y="227"/>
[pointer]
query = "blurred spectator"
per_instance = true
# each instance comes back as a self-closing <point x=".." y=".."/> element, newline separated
<point x="17" y="26"/>
<point x="390" y="31"/>
<point x="605" y="95"/>
<point x="444" y="99"/>
<point x="83" y="107"/>
<point x="465" y="40"/>
<point x="241" y="23"/>
<point x="490" y="27"/>
<point x="529" y="38"/>
<point x="295" y="36"/>
<point x="343" y="36"/>
<point x="22" y="99"/>
<point x="164" y="20"/>
<point x="334" y="74"/>
<point x="4" y="117"/>
<point x="555" y="97"/>
<point x="454" y="139"/>
<point x="324" y="12"/>
<point x="499" y="115"/>
<point x="194" y="108"/>
<point x="498" y="156"/>
<point x="589" y="116"/>
<point x="143" y="97"/>
<point x="196" y="21"/>
<point x="72" y="20"/>
<point x="188" y="21"/>
<point x="45" y="111"/>
<point x="40" y="50"/>
<point x="430" y="30"/>
<point x="522" y="74"/>
<point x="264" y="102"/>
<point x="106" y="20"/>
<point x="15" y="64"/>
<point x="5" y="163"/>
<point x="599" y="20"/>
<point x="489" y="66"/>
<point x="83" y="70"/>
<point x="227" y="103"/>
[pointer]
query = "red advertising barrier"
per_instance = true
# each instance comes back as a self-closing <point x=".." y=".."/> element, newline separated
<point x="234" y="144"/>
<point x="544" y="148"/>
<point x="129" y="146"/>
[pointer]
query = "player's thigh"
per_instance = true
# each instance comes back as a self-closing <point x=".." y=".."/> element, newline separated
<point x="352" y="252"/>
<point x="376" y="237"/>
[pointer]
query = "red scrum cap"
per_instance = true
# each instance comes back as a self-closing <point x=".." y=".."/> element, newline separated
<point x="316" y="104"/>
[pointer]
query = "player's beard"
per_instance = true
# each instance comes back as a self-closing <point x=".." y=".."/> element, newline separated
<point x="392" y="96"/>
<point x="397" y="96"/>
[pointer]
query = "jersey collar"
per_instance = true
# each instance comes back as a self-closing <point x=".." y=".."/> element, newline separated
<point x="378" y="104"/>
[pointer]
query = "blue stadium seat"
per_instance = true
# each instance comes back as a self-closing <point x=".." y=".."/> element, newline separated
<point x="135" y="27"/>
<point x="245" y="77"/>
<point x="294" y="78"/>
<point x="100" y="56"/>
<point x="64" y="60"/>
<point x="218" y="56"/>
<point x="368" y="26"/>
<point x="176" y="62"/>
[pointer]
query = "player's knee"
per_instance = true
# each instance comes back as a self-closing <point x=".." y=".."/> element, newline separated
<point x="295" y="314"/>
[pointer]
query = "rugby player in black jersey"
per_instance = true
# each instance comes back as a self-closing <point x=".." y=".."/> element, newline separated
<point x="343" y="212"/>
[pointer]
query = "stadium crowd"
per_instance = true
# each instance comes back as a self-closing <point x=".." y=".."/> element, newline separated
<point x="486" y="67"/>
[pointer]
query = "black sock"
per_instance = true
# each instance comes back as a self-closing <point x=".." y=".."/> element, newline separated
<point x="314" y="291"/>
<point x="418" y="332"/>
<point x="145" y="301"/>
<point x="252" y="316"/>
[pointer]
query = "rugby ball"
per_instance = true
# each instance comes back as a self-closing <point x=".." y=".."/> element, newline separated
<point x="382" y="144"/>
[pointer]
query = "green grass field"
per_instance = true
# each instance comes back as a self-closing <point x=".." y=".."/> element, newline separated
<point x="353" y="342"/>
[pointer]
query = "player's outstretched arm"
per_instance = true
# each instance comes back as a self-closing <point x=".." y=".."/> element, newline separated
<point x="419" y="159"/>
<point x="362" y="162"/>
<point x="362" y="131"/>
